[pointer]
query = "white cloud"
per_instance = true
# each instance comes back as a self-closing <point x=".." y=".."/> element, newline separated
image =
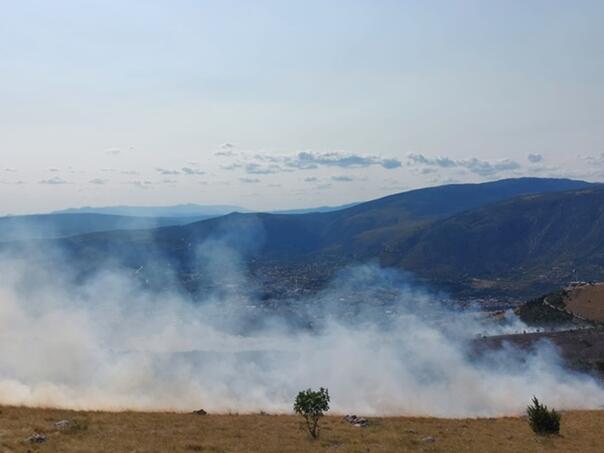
<point x="189" y="171"/>
<point x="270" y="164"/>
<point x="167" y="172"/>
<point x="259" y="169"/>
<point x="54" y="181"/>
<point x="595" y="160"/>
<point x="474" y="165"/>
<point x="309" y="160"/>
<point x="227" y="153"/>
<point x="233" y="166"/>
<point x="342" y="178"/>
<point x="535" y="158"/>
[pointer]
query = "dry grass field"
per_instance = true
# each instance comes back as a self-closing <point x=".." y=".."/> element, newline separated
<point x="176" y="432"/>
<point x="587" y="302"/>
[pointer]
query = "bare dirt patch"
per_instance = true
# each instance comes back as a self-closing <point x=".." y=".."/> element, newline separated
<point x="587" y="302"/>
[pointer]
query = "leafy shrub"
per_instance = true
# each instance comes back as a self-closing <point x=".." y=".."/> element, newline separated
<point x="541" y="419"/>
<point x="312" y="406"/>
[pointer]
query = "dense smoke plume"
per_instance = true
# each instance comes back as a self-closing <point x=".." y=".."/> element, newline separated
<point x="379" y="343"/>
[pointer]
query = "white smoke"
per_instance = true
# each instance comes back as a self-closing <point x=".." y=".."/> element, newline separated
<point x="378" y="343"/>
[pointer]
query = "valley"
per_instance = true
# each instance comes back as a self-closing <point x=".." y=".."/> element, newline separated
<point x="511" y="239"/>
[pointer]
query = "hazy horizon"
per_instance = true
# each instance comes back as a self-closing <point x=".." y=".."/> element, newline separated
<point x="271" y="105"/>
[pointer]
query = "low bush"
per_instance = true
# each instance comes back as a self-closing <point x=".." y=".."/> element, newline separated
<point x="542" y="419"/>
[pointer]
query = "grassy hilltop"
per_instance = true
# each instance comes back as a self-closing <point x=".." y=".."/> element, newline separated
<point x="173" y="432"/>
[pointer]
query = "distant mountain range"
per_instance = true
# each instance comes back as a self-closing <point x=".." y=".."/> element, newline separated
<point x="48" y="226"/>
<point x="512" y="237"/>
<point x="76" y="221"/>
<point x="190" y="210"/>
<point x="319" y="209"/>
<point x="181" y="210"/>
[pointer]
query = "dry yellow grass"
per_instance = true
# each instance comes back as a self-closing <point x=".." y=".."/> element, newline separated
<point x="587" y="302"/>
<point x="172" y="432"/>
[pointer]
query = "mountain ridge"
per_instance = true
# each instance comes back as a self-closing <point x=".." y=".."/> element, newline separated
<point x="442" y="234"/>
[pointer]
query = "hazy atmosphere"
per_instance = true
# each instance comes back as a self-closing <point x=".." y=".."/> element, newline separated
<point x="301" y="226"/>
<point x="271" y="105"/>
<point x="117" y="346"/>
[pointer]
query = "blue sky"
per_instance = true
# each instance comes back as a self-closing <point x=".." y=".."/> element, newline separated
<point x="270" y="104"/>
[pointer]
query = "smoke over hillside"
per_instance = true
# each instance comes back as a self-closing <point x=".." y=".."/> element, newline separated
<point x="380" y="344"/>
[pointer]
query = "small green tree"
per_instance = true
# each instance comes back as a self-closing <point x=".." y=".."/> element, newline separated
<point x="312" y="406"/>
<point x="541" y="419"/>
